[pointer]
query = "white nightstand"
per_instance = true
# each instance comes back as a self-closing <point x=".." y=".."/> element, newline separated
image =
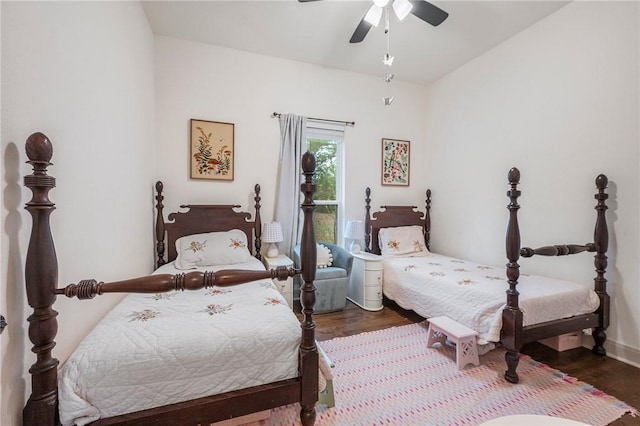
<point x="284" y="287"/>
<point x="365" y="284"/>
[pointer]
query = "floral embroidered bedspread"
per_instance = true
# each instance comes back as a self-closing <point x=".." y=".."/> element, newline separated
<point x="157" y="349"/>
<point x="474" y="294"/>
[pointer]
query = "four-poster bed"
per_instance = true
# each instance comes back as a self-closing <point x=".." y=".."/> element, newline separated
<point x="301" y="386"/>
<point x="534" y="308"/>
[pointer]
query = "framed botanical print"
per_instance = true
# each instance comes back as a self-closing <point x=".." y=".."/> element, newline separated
<point x="212" y="150"/>
<point x="395" y="162"/>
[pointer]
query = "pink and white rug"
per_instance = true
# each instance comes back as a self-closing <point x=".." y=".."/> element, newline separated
<point x="390" y="377"/>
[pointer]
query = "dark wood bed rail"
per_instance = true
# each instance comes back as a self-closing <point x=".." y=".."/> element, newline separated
<point x="161" y="283"/>
<point x="41" y="276"/>
<point x="513" y="334"/>
<point x="557" y="250"/>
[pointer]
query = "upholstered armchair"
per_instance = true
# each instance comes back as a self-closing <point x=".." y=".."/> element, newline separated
<point x="332" y="281"/>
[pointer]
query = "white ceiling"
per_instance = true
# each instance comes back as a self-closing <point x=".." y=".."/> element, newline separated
<point x="318" y="32"/>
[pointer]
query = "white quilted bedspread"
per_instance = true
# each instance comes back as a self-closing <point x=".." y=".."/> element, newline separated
<point x="474" y="295"/>
<point x="153" y="350"/>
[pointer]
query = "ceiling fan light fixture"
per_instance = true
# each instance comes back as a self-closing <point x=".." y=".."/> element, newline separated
<point x="402" y="8"/>
<point x="373" y="15"/>
<point x="380" y="3"/>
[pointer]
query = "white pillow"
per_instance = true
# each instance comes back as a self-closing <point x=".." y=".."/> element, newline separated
<point x="325" y="258"/>
<point x="402" y="241"/>
<point x="213" y="248"/>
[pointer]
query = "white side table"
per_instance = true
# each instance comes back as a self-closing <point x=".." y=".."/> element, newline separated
<point x="284" y="287"/>
<point x="365" y="283"/>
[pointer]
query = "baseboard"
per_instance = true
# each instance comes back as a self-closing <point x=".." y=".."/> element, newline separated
<point x="617" y="351"/>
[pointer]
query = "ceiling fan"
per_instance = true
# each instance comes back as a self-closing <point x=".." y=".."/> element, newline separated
<point x="422" y="9"/>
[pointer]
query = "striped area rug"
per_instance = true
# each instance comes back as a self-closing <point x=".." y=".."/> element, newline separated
<point x="391" y="377"/>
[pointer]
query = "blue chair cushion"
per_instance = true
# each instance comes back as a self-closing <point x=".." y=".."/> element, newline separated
<point x="330" y="272"/>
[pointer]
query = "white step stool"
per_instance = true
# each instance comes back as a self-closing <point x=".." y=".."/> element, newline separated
<point x="465" y="339"/>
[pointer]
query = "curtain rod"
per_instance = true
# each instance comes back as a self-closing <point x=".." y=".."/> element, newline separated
<point x="346" y="123"/>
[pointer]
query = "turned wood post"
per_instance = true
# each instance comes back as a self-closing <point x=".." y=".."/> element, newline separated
<point x="427" y="220"/>
<point x="159" y="225"/>
<point x="367" y="220"/>
<point x="308" y="350"/>
<point x="512" y="315"/>
<point x="257" y="228"/>
<point x="41" y="279"/>
<point x="601" y="241"/>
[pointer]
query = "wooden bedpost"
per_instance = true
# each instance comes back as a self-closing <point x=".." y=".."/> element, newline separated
<point x="601" y="241"/>
<point x="41" y="279"/>
<point x="367" y="220"/>
<point x="512" y="315"/>
<point x="257" y="223"/>
<point x="427" y="220"/>
<point x="159" y="225"/>
<point x="308" y="350"/>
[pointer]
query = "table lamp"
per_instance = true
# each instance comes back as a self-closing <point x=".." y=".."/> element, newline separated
<point x="355" y="231"/>
<point x="272" y="234"/>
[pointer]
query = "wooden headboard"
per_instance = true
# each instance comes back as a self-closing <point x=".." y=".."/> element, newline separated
<point x="203" y="218"/>
<point x="393" y="216"/>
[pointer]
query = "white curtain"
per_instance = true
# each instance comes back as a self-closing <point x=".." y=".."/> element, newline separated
<point x="292" y="143"/>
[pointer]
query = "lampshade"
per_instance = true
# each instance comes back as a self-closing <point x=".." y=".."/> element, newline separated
<point x="272" y="232"/>
<point x="355" y="231"/>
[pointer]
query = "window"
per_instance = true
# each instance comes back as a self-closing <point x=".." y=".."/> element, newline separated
<point x="325" y="141"/>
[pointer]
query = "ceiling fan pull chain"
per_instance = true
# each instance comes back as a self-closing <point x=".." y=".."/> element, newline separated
<point x="387" y="59"/>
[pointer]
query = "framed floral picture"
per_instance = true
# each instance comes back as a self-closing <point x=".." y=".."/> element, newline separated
<point x="212" y="151"/>
<point x="395" y="162"/>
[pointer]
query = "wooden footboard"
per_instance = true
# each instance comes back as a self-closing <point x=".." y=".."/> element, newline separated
<point x="514" y="334"/>
<point x="41" y="276"/>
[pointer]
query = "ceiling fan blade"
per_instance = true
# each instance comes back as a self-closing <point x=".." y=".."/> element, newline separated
<point x="305" y="1"/>
<point x="428" y="12"/>
<point x="361" y="30"/>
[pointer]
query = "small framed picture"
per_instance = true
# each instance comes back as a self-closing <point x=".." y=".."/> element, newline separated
<point x="211" y="150"/>
<point x="395" y="162"/>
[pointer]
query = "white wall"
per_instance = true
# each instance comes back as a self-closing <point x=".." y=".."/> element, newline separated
<point x="82" y="73"/>
<point x="560" y="101"/>
<point x="211" y="83"/>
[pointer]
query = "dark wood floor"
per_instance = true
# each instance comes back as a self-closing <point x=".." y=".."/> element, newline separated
<point x="616" y="378"/>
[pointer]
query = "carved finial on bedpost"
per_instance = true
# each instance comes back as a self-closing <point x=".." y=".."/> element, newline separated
<point x="367" y="220"/>
<point x="512" y="315"/>
<point x="308" y="350"/>
<point x="427" y="220"/>
<point x="41" y="280"/>
<point x="257" y="223"/>
<point x="601" y="240"/>
<point x="159" y="225"/>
